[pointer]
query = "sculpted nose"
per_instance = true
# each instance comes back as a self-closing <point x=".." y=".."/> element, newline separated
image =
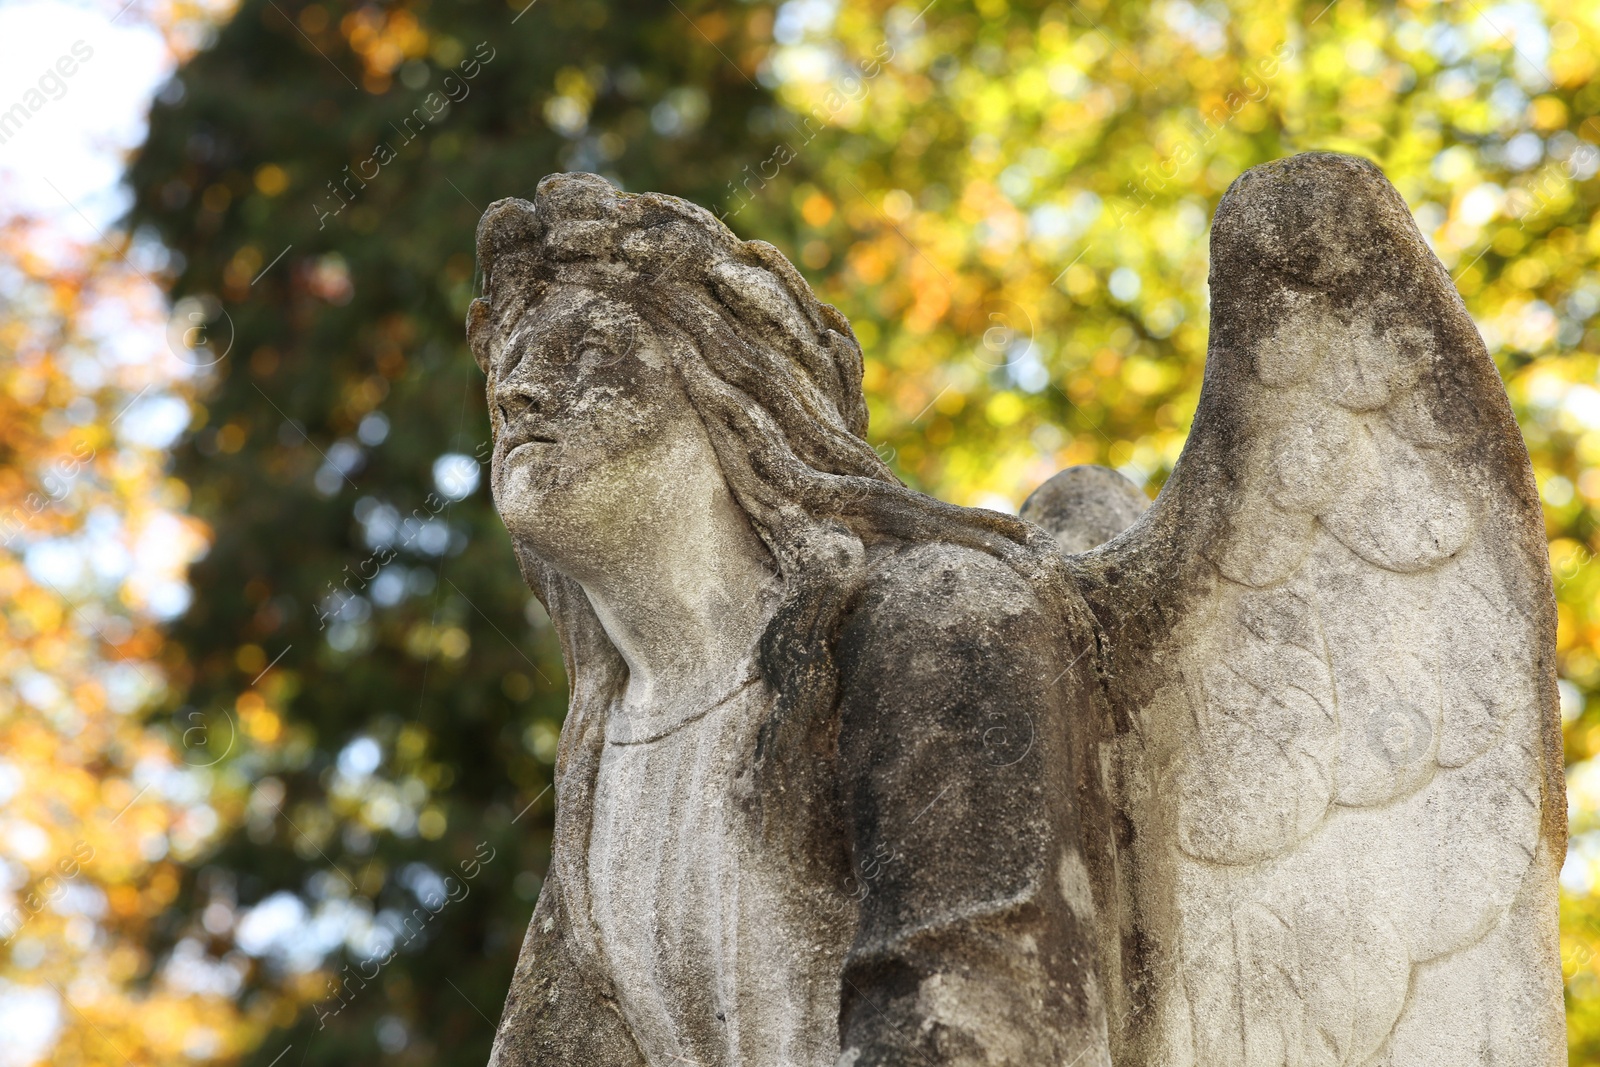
<point x="514" y="401"/>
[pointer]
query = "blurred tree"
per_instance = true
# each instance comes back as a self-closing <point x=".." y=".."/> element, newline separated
<point x="1009" y="198"/>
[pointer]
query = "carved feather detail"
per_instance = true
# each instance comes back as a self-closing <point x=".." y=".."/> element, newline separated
<point x="1341" y="788"/>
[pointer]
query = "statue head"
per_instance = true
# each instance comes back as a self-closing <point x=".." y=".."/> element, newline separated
<point x="631" y="341"/>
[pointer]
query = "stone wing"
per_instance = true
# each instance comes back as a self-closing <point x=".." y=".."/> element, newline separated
<point x="1332" y="728"/>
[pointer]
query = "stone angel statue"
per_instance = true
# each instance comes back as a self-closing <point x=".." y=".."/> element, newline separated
<point x="1267" y="773"/>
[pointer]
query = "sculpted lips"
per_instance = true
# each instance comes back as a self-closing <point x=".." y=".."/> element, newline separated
<point x="522" y="442"/>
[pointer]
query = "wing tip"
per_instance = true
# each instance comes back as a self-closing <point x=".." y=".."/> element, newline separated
<point x="1085" y="506"/>
<point x="1318" y="219"/>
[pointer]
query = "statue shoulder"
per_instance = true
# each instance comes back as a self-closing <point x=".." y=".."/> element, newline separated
<point x="938" y="584"/>
<point x="959" y="792"/>
<point x="938" y="616"/>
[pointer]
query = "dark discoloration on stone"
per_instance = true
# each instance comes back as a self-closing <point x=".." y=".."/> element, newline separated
<point x="959" y="691"/>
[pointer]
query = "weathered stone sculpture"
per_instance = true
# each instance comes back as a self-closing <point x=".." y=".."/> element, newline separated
<point x="853" y="776"/>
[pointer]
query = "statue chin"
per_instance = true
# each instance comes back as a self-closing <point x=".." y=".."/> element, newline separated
<point x="528" y="492"/>
<point x="1267" y="770"/>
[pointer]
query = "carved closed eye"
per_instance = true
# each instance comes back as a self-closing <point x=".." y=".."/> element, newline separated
<point x="540" y="353"/>
<point x="512" y="357"/>
<point x="594" y="347"/>
<point x="601" y="347"/>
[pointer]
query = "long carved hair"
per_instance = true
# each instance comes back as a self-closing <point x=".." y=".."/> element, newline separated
<point x="775" y="375"/>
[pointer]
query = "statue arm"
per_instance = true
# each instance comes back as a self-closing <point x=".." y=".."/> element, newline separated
<point x="555" y="1012"/>
<point x="975" y="942"/>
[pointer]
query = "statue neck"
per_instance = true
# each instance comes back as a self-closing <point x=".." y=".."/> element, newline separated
<point x="686" y="603"/>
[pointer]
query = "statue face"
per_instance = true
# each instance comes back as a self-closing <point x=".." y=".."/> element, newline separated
<point x="593" y="430"/>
